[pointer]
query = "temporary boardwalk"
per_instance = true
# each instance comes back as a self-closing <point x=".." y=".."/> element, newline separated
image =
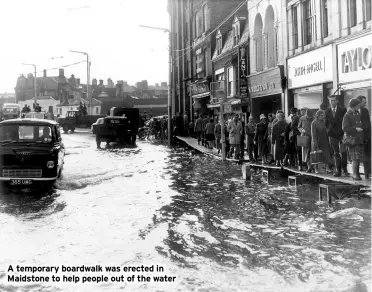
<point x="294" y="172"/>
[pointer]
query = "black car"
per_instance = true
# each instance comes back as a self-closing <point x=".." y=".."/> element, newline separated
<point x="115" y="129"/>
<point x="31" y="151"/>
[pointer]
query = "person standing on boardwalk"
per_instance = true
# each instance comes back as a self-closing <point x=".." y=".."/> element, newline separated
<point x="235" y="130"/>
<point x="305" y="129"/>
<point x="333" y="122"/>
<point x="185" y="123"/>
<point x="250" y="129"/>
<point x="242" y="138"/>
<point x="352" y="126"/>
<point x="277" y="137"/>
<point x="199" y="128"/>
<point x="366" y="125"/>
<point x="209" y="133"/>
<point x="319" y="139"/>
<point x="217" y="135"/>
<point x="259" y="138"/>
<point x="269" y="130"/>
<point x="205" y="122"/>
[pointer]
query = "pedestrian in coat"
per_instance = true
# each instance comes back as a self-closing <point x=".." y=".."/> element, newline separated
<point x="242" y="138"/>
<point x="217" y="135"/>
<point x="199" y="128"/>
<point x="250" y="129"/>
<point x="366" y="125"/>
<point x="290" y="139"/>
<point x="235" y="130"/>
<point x="209" y="131"/>
<point x="259" y="138"/>
<point x="320" y="141"/>
<point x="277" y="137"/>
<point x="205" y="122"/>
<point x="269" y="130"/>
<point x="333" y="122"/>
<point x="305" y="128"/>
<point x="185" y="123"/>
<point x="352" y="126"/>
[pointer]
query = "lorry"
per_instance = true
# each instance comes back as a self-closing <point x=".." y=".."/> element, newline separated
<point x="121" y="126"/>
<point x="10" y="111"/>
<point x="75" y="119"/>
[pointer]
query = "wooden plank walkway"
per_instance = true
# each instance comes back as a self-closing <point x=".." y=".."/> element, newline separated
<point x="214" y="153"/>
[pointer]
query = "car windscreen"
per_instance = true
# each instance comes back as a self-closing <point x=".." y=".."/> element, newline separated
<point x="26" y="133"/>
<point x="117" y="121"/>
<point x="10" y="110"/>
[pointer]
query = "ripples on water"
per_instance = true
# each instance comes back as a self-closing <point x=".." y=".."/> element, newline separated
<point x="191" y="214"/>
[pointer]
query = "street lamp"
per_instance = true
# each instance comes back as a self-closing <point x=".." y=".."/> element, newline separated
<point x="169" y="82"/>
<point x="88" y="77"/>
<point x="34" y="81"/>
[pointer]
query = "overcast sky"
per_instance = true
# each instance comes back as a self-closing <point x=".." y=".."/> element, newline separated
<point x="36" y="31"/>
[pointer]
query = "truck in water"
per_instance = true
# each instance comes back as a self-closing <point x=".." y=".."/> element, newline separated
<point x="10" y="111"/>
<point x="75" y="119"/>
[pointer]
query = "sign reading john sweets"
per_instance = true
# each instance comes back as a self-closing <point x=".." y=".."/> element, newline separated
<point x="266" y="83"/>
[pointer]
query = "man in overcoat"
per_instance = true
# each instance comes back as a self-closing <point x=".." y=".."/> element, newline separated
<point x="333" y="122"/>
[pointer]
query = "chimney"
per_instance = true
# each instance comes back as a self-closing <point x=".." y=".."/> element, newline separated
<point x="94" y="81"/>
<point x="61" y="73"/>
<point x="77" y="81"/>
<point x="101" y="82"/>
<point x="45" y="73"/>
<point x="164" y="84"/>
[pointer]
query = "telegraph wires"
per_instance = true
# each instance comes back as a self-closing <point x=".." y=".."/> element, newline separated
<point x="63" y="66"/>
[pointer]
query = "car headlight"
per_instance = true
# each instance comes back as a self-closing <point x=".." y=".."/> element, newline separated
<point x="50" y="164"/>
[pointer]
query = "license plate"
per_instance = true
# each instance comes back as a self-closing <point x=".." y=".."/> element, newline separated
<point x="15" y="182"/>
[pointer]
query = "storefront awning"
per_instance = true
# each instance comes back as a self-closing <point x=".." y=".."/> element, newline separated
<point x="201" y="95"/>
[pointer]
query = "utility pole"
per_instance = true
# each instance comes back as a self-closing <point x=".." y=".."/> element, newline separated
<point x="169" y="81"/>
<point x="88" y="78"/>
<point x="35" y="90"/>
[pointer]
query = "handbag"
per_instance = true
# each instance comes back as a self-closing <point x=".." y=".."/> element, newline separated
<point x="303" y="141"/>
<point x="316" y="157"/>
<point x="348" y="140"/>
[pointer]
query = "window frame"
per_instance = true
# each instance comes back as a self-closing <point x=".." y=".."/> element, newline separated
<point x="351" y="11"/>
<point x="325" y="13"/>
<point x="309" y="15"/>
<point x="295" y="26"/>
<point x="230" y="81"/>
<point x="367" y="9"/>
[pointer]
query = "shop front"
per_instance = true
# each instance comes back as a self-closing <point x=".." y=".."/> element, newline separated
<point x="355" y="68"/>
<point x="200" y="93"/>
<point x="310" y="79"/>
<point x="265" y="91"/>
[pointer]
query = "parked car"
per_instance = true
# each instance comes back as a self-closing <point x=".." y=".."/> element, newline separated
<point x="31" y="151"/>
<point x="94" y="125"/>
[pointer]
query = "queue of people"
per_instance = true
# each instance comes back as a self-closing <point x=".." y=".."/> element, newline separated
<point x="306" y="139"/>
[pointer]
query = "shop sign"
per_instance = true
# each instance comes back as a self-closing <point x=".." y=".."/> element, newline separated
<point x="266" y="83"/>
<point x="310" y="68"/>
<point x="355" y="60"/>
<point x="227" y="108"/>
<point x="199" y="88"/>
<point x="243" y="72"/>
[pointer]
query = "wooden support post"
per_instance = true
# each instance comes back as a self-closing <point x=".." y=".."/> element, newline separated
<point x="247" y="174"/>
<point x="295" y="179"/>
<point x="266" y="174"/>
<point x="326" y="188"/>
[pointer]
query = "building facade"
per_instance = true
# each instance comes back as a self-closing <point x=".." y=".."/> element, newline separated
<point x="329" y="51"/>
<point x="267" y="62"/>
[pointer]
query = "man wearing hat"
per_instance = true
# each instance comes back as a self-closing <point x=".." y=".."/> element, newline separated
<point x="260" y="139"/>
<point x="333" y="122"/>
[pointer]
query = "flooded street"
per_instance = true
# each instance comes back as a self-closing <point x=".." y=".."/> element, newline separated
<point x="189" y="213"/>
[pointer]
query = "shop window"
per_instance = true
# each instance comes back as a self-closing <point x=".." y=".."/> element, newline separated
<point x="310" y="22"/>
<point x="230" y="81"/>
<point x="325" y="18"/>
<point x="205" y="16"/>
<point x="352" y="13"/>
<point x="367" y="10"/>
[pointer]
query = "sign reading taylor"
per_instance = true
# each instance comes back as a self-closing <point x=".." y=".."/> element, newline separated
<point x="267" y="83"/>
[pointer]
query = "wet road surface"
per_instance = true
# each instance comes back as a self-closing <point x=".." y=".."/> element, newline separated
<point x="188" y="213"/>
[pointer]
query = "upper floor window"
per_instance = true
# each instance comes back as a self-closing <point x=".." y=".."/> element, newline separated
<point x="230" y="81"/>
<point x="205" y="16"/>
<point x="352" y="13"/>
<point x="295" y="27"/>
<point x="325" y="18"/>
<point x="367" y="10"/>
<point x="236" y="32"/>
<point x="310" y="22"/>
<point x="219" y="44"/>
<point x="199" y="24"/>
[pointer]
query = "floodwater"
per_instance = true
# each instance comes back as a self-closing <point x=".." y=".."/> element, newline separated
<point x="188" y="213"/>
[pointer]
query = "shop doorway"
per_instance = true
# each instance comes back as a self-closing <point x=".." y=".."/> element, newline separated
<point x="265" y="105"/>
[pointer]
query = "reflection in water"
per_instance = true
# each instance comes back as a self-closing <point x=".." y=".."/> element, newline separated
<point x="189" y="213"/>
